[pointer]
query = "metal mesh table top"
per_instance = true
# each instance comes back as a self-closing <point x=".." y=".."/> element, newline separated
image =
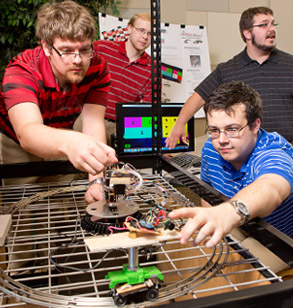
<point x="46" y="262"/>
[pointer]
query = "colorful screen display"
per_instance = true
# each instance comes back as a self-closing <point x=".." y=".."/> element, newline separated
<point x="172" y="73"/>
<point x="134" y="128"/>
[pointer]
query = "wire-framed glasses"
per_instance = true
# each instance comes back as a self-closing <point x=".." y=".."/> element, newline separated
<point x="142" y="31"/>
<point x="230" y="132"/>
<point x="84" y="54"/>
<point x="266" y="25"/>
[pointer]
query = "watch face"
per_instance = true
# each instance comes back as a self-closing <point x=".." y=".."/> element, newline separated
<point x="242" y="208"/>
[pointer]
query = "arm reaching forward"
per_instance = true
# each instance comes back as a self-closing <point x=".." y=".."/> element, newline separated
<point x="192" y="105"/>
<point x="262" y="197"/>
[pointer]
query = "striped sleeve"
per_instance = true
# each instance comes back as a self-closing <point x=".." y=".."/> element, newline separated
<point x="274" y="161"/>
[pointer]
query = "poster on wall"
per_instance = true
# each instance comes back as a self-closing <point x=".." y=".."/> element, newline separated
<point x="186" y="49"/>
<point x="185" y="55"/>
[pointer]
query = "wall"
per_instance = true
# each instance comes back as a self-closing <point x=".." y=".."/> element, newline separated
<point x="221" y="18"/>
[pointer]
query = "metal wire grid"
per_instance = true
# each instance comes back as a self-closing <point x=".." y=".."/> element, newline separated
<point x="52" y="225"/>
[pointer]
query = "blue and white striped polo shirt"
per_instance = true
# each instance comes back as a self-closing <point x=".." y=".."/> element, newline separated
<point x="271" y="154"/>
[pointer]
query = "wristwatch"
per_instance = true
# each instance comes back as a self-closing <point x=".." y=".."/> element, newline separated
<point x="242" y="210"/>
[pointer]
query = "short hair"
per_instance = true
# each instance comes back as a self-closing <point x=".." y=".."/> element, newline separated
<point x="232" y="93"/>
<point x="66" y="20"/>
<point x="142" y="15"/>
<point x="247" y="18"/>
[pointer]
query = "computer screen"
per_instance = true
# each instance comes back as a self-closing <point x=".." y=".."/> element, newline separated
<point x="134" y="128"/>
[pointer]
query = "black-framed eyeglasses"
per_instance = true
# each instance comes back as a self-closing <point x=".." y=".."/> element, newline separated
<point x="230" y="132"/>
<point x="266" y="25"/>
<point x="84" y="54"/>
<point x="142" y="31"/>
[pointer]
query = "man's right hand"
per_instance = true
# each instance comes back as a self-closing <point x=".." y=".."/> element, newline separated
<point x="178" y="132"/>
<point x="88" y="154"/>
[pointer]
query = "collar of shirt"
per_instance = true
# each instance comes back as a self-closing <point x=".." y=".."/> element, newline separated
<point x="141" y="60"/>
<point x="235" y="174"/>
<point x="246" y="60"/>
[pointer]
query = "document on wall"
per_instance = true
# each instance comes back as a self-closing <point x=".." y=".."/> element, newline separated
<point x="185" y="50"/>
<point x="184" y="55"/>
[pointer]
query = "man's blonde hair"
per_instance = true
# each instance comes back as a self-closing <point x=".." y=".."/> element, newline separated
<point x="66" y="20"/>
<point x="142" y="15"/>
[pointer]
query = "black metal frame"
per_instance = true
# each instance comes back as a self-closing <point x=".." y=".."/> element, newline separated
<point x="156" y="82"/>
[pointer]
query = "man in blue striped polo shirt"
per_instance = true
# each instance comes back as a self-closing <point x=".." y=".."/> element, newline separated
<point x="251" y="167"/>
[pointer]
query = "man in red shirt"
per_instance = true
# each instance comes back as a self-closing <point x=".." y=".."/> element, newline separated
<point x="45" y="89"/>
<point x="130" y="67"/>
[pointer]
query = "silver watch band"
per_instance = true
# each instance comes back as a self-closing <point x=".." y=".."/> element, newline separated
<point x="242" y="210"/>
<point x="96" y="181"/>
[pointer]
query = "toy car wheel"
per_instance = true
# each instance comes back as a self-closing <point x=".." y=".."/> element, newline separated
<point x="152" y="294"/>
<point x="120" y="300"/>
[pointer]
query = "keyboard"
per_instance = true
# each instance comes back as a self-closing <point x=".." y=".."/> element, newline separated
<point x="186" y="160"/>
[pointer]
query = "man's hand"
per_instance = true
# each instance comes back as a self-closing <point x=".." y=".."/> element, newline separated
<point x="177" y="132"/>
<point x="215" y="221"/>
<point x="94" y="193"/>
<point x="88" y="154"/>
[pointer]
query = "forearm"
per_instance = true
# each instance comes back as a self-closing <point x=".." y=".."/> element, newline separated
<point x="192" y="105"/>
<point x="44" y="141"/>
<point x="264" y="195"/>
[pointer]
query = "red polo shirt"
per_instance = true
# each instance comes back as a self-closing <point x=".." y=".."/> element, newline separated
<point x="130" y="81"/>
<point x="29" y="78"/>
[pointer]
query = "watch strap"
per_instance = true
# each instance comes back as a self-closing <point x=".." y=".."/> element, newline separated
<point x="244" y="217"/>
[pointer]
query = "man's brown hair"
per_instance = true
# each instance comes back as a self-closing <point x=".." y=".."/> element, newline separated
<point x="66" y="20"/>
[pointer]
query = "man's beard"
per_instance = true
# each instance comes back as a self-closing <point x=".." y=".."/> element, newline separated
<point x="264" y="48"/>
<point x="75" y="77"/>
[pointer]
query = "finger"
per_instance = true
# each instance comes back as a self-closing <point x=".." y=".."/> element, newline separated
<point x="183" y="213"/>
<point x="110" y="152"/>
<point x="93" y="167"/>
<point x="167" y="142"/>
<point x="203" y="233"/>
<point x="110" y="155"/>
<point x="170" y="142"/>
<point x="90" y="164"/>
<point x="215" y="239"/>
<point x="184" y="139"/>
<point x="190" y="227"/>
<point x="83" y="166"/>
<point x="97" y="159"/>
<point x="94" y="193"/>
<point x="89" y="198"/>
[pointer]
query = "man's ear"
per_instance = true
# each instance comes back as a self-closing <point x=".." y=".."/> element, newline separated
<point x="247" y="34"/>
<point x="46" y="48"/>
<point x="129" y="29"/>
<point x="256" y="125"/>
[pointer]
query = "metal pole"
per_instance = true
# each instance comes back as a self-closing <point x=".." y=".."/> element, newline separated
<point x="133" y="258"/>
<point x="156" y="82"/>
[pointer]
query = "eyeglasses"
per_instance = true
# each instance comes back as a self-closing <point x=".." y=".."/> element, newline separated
<point x="84" y="54"/>
<point x="266" y="25"/>
<point x="142" y="31"/>
<point x="230" y="132"/>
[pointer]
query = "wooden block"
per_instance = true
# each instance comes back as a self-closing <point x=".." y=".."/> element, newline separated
<point x="122" y="240"/>
<point x="5" y="223"/>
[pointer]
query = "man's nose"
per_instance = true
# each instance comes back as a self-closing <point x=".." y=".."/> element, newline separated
<point x="222" y="137"/>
